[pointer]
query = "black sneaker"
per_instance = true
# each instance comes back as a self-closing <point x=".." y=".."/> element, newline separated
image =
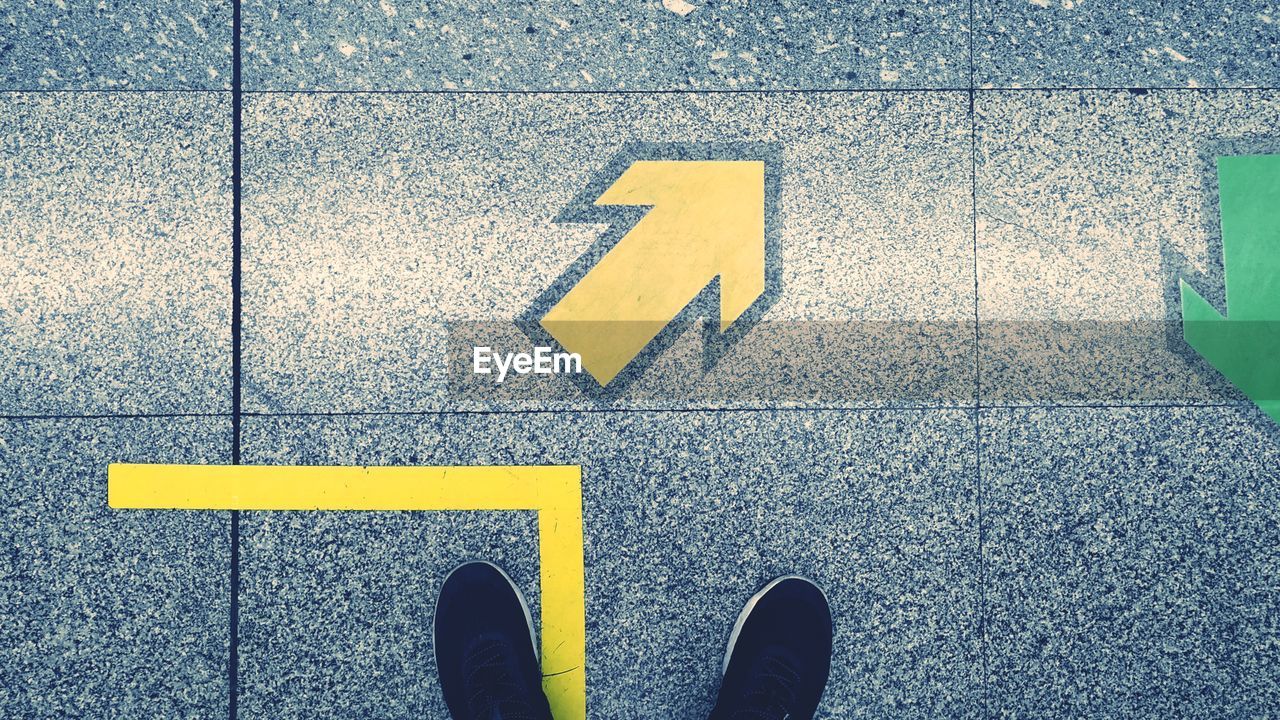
<point x="779" y="655"/>
<point x="485" y="648"/>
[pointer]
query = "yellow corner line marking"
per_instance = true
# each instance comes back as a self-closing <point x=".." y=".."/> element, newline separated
<point x="555" y="492"/>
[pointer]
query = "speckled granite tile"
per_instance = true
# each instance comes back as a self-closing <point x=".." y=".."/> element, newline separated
<point x="374" y="223"/>
<point x="1130" y="559"/>
<point x="336" y="608"/>
<point x="1252" y="573"/>
<point x="1070" y="43"/>
<point x="609" y="45"/>
<point x="878" y="507"/>
<point x="117" y="45"/>
<point x="1091" y="206"/>
<point x="336" y="611"/>
<point x="116" y="254"/>
<point x="109" y="613"/>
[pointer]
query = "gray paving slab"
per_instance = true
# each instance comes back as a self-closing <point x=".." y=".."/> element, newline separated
<point x="1130" y="558"/>
<point x="116" y="253"/>
<point x="609" y="45"/>
<point x="336" y="610"/>
<point x="1070" y="43"/>
<point x="686" y="514"/>
<point x="1253" y="567"/>
<point x="118" y="45"/>
<point x="1091" y="206"/>
<point x="387" y="235"/>
<point x="109" y="613"/>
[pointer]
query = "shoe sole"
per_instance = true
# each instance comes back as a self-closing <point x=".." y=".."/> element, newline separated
<point x="751" y="605"/>
<point x="524" y="606"/>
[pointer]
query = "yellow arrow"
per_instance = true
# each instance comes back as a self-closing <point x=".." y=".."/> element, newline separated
<point x="707" y="220"/>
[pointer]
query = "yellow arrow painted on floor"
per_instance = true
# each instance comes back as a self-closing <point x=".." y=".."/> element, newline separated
<point x="707" y="220"/>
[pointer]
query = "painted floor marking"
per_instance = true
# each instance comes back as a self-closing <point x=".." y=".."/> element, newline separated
<point x="555" y="492"/>
<point x="707" y="221"/>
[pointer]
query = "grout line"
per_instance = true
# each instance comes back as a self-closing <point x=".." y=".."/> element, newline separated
<point x="983" y="644"/>
<point x="757" y="409"/>
<point x="1120" y="406"/>
<point x="778" y="91"/>
<point x="111" y="416"/>
<point x="672" y="91"/>
<point x="785" y="91"/>
<point x="233" y="636"/>
<point x="973" y="69"/>
<point x="754" y="409"/>
<point x="109" y="91"/>
<point x="614" y="411"/>
<point x="1122" y="88"/>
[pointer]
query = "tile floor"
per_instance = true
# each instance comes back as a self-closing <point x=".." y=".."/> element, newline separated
<point x="1024" y="496"/>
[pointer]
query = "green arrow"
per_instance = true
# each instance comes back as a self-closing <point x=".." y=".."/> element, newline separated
<point x="1245" y="345"/>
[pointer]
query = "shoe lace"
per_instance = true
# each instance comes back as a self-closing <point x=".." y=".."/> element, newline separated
<point x="774" y="694"/>
<point x="492" y="692"/>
